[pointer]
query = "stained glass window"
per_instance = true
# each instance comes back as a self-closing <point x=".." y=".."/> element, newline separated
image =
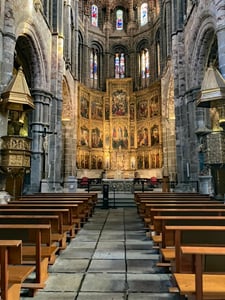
<point x="94" y="15"/>
<point x="144" y="59"/>
<point x="144" y="14"/>
<point x="94" y="67"/>
<point x="119" y="19"/>
<point x="119" y="65"/>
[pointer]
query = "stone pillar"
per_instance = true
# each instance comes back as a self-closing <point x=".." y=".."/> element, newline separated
<point x="68" y="33"/>
<point x="131" y="10"/>
<point x="75" y="49"/>
<point x="40" y="124"/>
<point x="7" y="44"/>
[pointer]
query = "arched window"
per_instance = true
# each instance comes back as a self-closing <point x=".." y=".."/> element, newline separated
<point x="119" y="19"/>
<point x="94" y="15"/>
<point x="80" y="57"/>
<point x="119" y="65"/>
<point x="144" y="14"/>
<point x="94" y="67"/>
<point x="144" y="63"/>
<point x="158" y="69"/>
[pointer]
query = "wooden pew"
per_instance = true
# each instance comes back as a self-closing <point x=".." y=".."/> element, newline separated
<point x="85" y="205"/>
<point x="160" y="240"/>
<point x="202" y="285"/>
<point x="91" y="198"/>
<point x="160" y="222"/>
<point x="73" y="211"/>
<point x="36" y="248"/>
<point x="168" y="195"/>
<point x="178" y="205"/>
<point x="85" y="210"/>
<point x="146" y="207"/>
<point x="92" y="195"/>
<point x="192" y="236"/>
<point x="141" y="204"/>
<point x="145" y="204"/>
<point x="208" y="211"/>
<point x="13" y="273"/>
<point x="55" y="221"/>
<point x="64" y="215"/>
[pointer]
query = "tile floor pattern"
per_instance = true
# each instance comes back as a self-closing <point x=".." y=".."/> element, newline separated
<point x="110" y="259"/>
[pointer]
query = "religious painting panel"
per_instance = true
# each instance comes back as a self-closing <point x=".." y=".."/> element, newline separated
<point x="119" y="103"/>
<point x="93" y="162"/>
<point x="120" y="137"/>
<point x="96" y="138"/>
<point x="156" y="159"/>
<point x="146" y="161"/>
<point x="142" y="137"/>
<point x="154" y="108"/>
<point x="99" y="162"/>
<point x="84" y="136"/>
<point x="140" y="161"/>
<point x="96" y="110"/>
<point x="142" y="110"/>
<point x="155" y="136"/>
<point x="84" y="107"/>
<point x="84" y="161"/>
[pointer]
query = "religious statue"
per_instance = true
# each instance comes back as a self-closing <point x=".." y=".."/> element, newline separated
<point x="214" y="114"/>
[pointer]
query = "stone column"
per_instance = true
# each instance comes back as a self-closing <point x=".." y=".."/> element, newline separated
<point x="39" y="124"/>
<point x="75" y="39"/>
<point x="68" y="33"/>
<point x="7" y="44"/>
<point x="131" y="10"/>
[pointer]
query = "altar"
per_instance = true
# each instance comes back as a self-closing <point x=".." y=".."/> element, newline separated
<point x="120" y="185"/>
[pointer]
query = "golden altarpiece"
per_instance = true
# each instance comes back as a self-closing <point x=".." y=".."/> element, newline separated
<point x="119" y="132"/>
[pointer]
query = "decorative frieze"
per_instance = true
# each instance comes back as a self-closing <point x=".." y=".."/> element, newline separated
<point x="215" y="148"/>
<point x="15" y="152"/>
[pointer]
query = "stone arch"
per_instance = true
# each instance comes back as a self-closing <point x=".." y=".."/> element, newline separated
<point x="35" y="57"/>
<point x="204" y="35"/>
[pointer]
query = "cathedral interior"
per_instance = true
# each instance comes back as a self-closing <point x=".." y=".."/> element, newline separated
<point x="113" y="88"/>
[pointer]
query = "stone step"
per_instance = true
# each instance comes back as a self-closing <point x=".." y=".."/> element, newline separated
<point x="121" y="200"/>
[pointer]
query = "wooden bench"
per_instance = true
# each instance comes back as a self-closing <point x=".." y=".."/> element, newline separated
<point x="65" y="218"/>
<point x="163" y="240"/>
<point x="73" y="211"/>
<point x="85" y="209"/>
<point x="178" y="205"/>
<point x="146" y="211"/>
<point x="194" y="236"/>
<point x="36" y="249"/>
<point x="140" y="200"/>
<point x="58" y="235"/>
<point x="202" y="285"/>
<point x="145" y="204"/>
<point x="160" y="242"/>
<point x="13" y="273"/>
<point x="167" y="195"/>
<point x="207" y="211"/>
<point x="91" y="198"/>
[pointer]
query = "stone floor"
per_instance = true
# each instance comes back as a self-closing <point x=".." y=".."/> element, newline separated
<point x="111" y="258"/>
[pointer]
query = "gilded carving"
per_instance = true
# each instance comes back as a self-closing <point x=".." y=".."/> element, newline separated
<point x="119" y="131"/>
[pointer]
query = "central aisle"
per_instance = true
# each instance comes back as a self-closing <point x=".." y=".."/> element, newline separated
<point x="110" y="259"/>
